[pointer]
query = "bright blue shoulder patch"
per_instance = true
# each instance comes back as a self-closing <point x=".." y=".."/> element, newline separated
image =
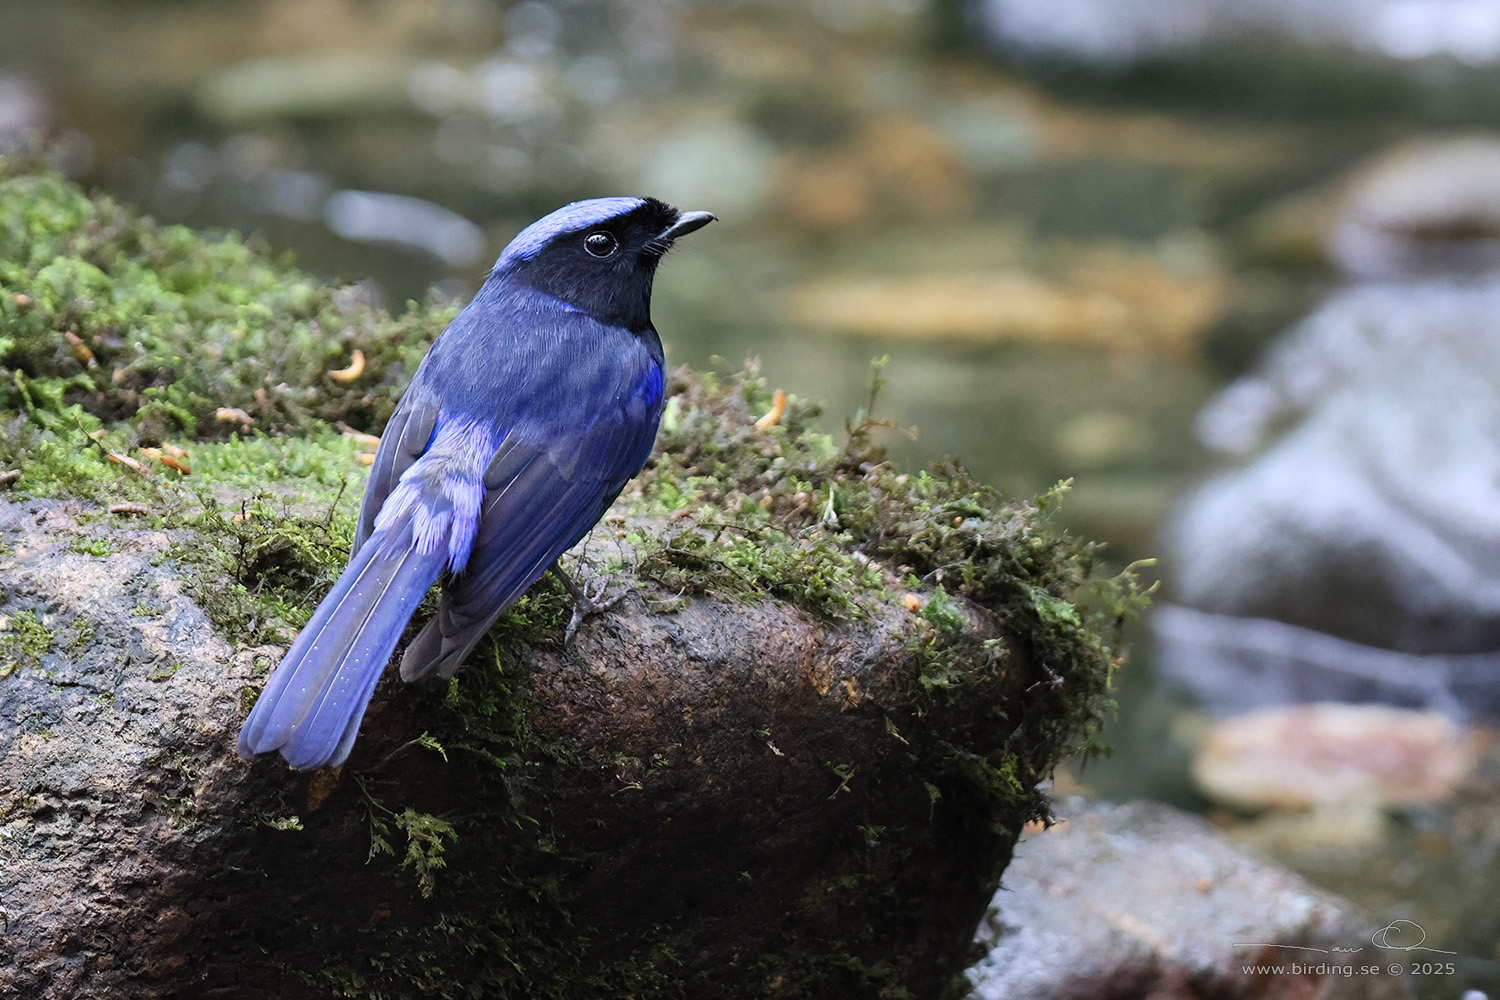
<point x="648" y="390"/>
<point x="578" y="215"/>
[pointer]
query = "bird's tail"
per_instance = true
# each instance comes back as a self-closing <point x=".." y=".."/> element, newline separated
<point x="311" y="707"/>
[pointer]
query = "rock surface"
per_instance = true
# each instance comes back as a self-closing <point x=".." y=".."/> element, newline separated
<point x="1140" y="901"/>
<point x="720" y="797"/>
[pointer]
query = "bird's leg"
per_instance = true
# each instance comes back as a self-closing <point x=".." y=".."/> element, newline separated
<point x="584" y="603"/>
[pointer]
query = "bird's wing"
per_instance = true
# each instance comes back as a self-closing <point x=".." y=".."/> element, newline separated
<point x="406" y="436"/>
<point x="538" y="503"/>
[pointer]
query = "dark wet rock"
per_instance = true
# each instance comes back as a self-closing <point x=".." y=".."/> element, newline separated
<point x="699" y="795"/>
<point x="112" y="732"/>
<point x="1426" y="869"/>
<point x="1354" y="555"/>
<point x="1140" y="901"/>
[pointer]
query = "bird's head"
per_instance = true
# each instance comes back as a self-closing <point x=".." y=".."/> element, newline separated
<point x="599" y="255"/>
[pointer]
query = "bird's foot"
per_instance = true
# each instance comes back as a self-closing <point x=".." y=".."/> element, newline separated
<point x="585" y="603"/>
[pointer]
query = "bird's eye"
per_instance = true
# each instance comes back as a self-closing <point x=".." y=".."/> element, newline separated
<point x="601" y="244"/>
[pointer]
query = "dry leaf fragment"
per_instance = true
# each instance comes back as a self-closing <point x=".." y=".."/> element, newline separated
<point x="778" y="407"/>
<point x="355" y="369"/>
<point x="124" y="460"/>
<point x="234" y="415"/>
<point x="358" y="437"/>
<point x="80" y="349"/>
<point x="169" y="455"/>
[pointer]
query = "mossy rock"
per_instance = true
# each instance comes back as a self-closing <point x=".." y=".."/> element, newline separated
<point x="791" y="762"/>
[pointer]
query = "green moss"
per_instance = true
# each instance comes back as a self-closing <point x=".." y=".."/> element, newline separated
<point x="23" y="641"/>
<point x="783" y="512"/>
<point x="118" y="334"/>
<point x="751" y="561"/>
<point x="136" y="333"/>
<point x="262" y="564"/>
<point x="162" y="673"/>
<point x="93" y="547"/>
<point x="939" y="635"/>
<point x="427" y="838"/>
<point x="82" y="635"/>
<point x="161" y="325"/>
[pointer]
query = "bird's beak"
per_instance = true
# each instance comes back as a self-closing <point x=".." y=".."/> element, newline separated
<point x="688" y="222"/>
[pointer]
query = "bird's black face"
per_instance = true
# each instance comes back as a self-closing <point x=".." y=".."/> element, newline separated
<point x="605" y="267"/>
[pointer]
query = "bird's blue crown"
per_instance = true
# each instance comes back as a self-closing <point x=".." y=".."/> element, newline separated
<point x="570" y="218"/>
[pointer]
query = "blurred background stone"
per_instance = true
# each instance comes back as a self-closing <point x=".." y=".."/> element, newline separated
<point x="1142" y="901"/>
<point x="1355" y="756"/>
<point x="1117" y="31"/>
<point x="1431" y="207"/>
<point x="1423" y="208"/>
<point x="1367" y="511"/>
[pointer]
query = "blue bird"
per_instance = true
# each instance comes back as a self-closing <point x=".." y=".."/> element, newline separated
<point x="522" y="424"/>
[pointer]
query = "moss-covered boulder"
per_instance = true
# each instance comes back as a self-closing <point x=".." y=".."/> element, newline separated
<point x="791" y="762"/>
